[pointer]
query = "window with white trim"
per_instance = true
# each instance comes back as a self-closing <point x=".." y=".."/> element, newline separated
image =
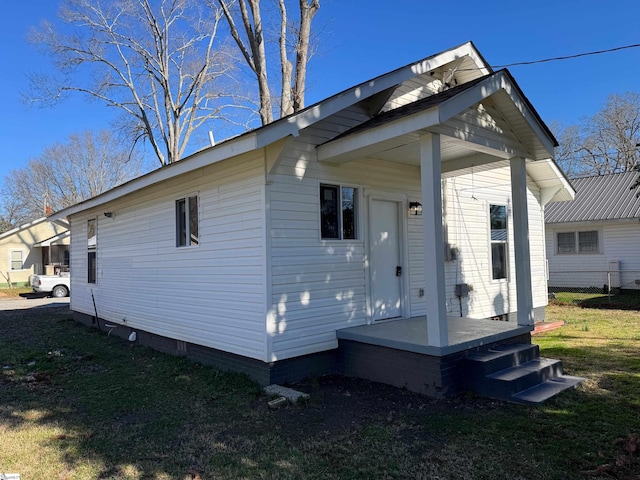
<point x="16" y="259"/>
<point x="187" y="224"/>
<point x="92" y="244"/>
<point x="499" y="235"/>
<point x="338" y="212"/>
<point x="585" y="242"/>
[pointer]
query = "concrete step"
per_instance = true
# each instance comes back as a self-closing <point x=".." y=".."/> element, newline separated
<point x="509" y="381"/>
<point x="546" y="390"/>
<point x="517" y="373"/>
<point x="481" y="364"/>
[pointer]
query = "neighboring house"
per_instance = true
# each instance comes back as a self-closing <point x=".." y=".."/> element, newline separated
<point x="283" y="252"/>
<point x="594" y="241"/>
<point x="39" y="247"/>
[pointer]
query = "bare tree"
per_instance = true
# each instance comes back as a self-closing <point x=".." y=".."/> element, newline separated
<point x="5" y="225"/>
<point x="158" y="61"/>
<point x="606" y="142"/>
<point x="65" y="174"/>
<point x="247" y="27"/>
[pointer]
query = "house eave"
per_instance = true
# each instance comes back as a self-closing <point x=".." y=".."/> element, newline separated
<point x="231" y="148"/>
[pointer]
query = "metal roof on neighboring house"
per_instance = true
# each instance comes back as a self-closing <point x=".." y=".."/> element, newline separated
<point x="605" y="197"/>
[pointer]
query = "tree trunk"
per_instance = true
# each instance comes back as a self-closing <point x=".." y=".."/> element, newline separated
<point x="307" y="12"/>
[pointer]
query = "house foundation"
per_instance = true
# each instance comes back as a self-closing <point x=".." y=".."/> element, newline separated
<point x="361" y="356"/>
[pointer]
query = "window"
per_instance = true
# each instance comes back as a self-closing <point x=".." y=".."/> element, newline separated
<point x="577" y="242"/>
<point x="338" y="217"/>
<point x="498" y="220"/>
<point x="588" y="242"/>
<point x="567" y="242"/>
<point x="16" y="260"/>
<point x="91" y="266"/>
<point x="187" y="221"/>
<point x="92" y="244"/>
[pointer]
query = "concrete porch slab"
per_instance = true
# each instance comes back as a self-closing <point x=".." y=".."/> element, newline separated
<point x="411" y="334"/>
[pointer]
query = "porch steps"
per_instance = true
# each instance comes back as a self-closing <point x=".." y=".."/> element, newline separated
<point x="517" y="373"/>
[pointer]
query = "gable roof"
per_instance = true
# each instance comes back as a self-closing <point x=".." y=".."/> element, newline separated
<point x="32" y="224"/>
<point x="466" y="55"/>
<point x="395" y="90"/>
<point x="605" y="197"/>
<point x="439" y="99"/>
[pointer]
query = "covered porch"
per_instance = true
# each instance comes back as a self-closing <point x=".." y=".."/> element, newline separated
<point x="483" y="125"/>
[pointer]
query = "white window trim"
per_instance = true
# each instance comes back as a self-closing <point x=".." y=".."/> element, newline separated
<point x="576" y="239"/>
<point x="491" y="242"/>
<point x="175" y="224"/>
<point x="21" y="250"/>
<point x="91" y="248"/>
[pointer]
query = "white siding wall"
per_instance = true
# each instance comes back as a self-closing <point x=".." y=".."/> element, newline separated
<point x="468" y="200"/>
<point x="212" y="294"/>
<point x="617" y="241"/>
<point x="321" y="285"/>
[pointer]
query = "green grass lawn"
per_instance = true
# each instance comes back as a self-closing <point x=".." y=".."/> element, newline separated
<point x="77" y="404"/>
<point x="627" y="300"/>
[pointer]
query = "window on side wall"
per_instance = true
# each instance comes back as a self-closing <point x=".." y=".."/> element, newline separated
<point x="92" y="246"/>
<point x="187" y="225"/>
<point x="499" y="235"/>
<point x="16" y="259"/>
<point x="577" y="242"/>
<point x="338" y="212"/>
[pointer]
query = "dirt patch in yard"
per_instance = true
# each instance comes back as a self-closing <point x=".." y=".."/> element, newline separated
<point x="340" y="404"/>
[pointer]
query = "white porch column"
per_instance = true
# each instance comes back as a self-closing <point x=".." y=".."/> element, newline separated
<point x="430" y="173"/>
<point x="524" y="294"/>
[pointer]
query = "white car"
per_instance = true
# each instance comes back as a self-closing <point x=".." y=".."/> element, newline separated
<point x="57" y="285"/>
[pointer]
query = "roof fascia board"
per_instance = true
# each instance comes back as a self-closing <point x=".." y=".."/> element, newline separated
<point x="484" y="89"/>
<point x="231" y="148"/>
<point x="50" y="241"/>
<point x="551" y="173"/>
<point x="293" y="124"/>
<point x="338" y="151"/>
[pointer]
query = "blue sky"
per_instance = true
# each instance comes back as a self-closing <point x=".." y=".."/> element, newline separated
<point x="365" y="38"/>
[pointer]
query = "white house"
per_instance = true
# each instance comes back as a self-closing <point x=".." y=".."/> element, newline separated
<point x="411" y="197"/>
<point x="595" y="240"/>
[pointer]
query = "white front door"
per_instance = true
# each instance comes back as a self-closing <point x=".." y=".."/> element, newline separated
<point x="384" y="253"/>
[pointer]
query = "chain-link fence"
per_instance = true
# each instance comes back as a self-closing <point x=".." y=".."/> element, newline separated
<point x="594" y="281"/>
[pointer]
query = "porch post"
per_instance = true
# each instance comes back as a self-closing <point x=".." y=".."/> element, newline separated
<point x="430" y="173"/>
<point x="524" y="295"/>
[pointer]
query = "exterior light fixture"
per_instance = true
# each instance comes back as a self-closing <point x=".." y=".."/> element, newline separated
<point x="415" y="208"/>
<point x="108" y="214"/>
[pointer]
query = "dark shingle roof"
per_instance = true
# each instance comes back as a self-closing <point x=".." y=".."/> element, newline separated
<point x="606" y="197"/>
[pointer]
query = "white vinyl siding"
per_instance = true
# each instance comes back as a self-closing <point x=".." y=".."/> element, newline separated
<point x="320" y="286"/>
<point x="616" y="241"/>
<point x="213" y="295"/>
